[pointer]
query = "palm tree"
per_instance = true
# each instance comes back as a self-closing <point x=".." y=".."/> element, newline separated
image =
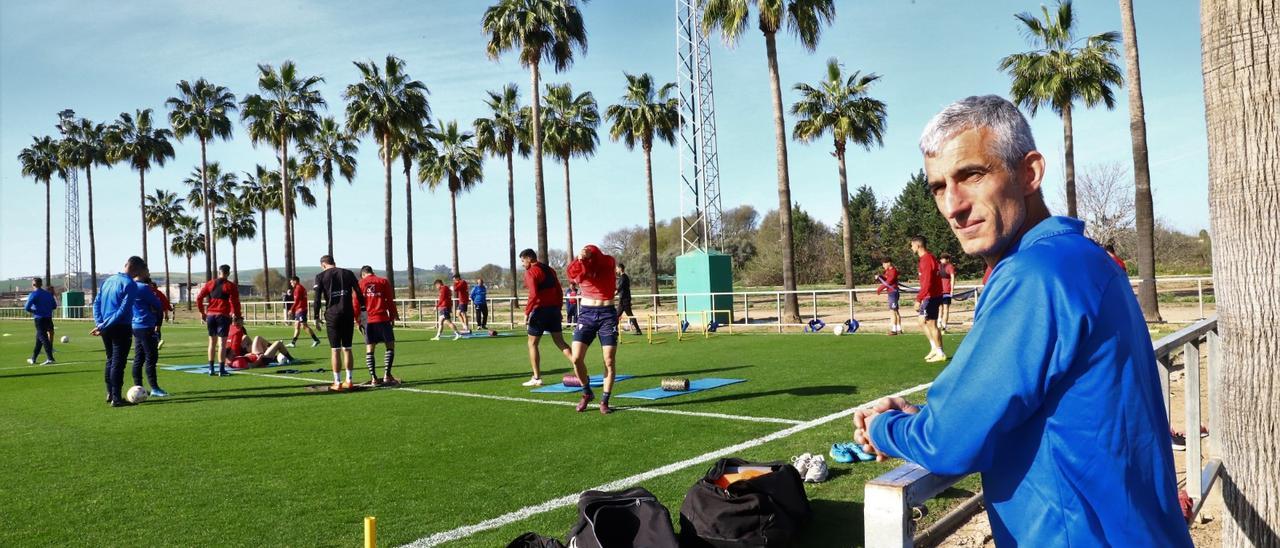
<point x="455" y="160"/>
<point x="539" y="30"/>
<point x="235" y="222"/>
<point x="284" y="112"/>
<point x="218" y="187"/>
<point x="162" y="210"/>
<point x="1061" y="70"/>
<point x="83" y="148"/>
<point x="804" y="18"/>
<point x="504" y="134"/>
<point x="139" y="143"/>
<point x="839" y="105"/>
<point x="188" y="241"/>
<point x="1144" y="210"/>
<point x="389" y="104"/>
<point x="329" y="148"/>
<point x="202" y="109"/>
<point x="40" y="162"/>
<point x="570" y="125"/>
<point x="261" y="191"/>
<point x="408" y="147"/>
<point x="644" y="113"/>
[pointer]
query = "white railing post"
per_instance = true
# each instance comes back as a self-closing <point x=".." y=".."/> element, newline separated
<point x="851" y="304"/>
<point x="746" y="310"/>
<point x="779" y="303"/>
<point x="1191" y="361"/>
<point x="883" y="516"/>
<point x="815" y="305"/>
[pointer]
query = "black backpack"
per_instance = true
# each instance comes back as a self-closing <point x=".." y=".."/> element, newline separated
<point x="534" y="540"/>
<point x="622" y="519"/>
<point x="767" y="510"/>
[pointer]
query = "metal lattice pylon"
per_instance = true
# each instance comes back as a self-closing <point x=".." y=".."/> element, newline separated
<point x="699" y="160"/>
<point x="71" y="214"/>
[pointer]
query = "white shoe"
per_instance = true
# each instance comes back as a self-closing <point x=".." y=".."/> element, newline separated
<point x="47" y="362"/>
<point x="160" y="344"/>
<point x="801" y="463"/>
<point x="291" y="345"/>
<point x="938" y="357"/>
<point x="535" y="381"/>
<point x="435" y="338"/>
<point x="457" y="336"/>
<point x="817" y="470"/>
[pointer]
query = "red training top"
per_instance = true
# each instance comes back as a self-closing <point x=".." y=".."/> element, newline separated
<point x="379" y="303"/>
<point x="946" y="272"/>
<point x="165" y="305"/>
<point x="462" y="291"/>
<point x="224" y="298"/>
<point x="443" y="302"/>
<point x="889" y="281"/>
<point x="930" y="282"/>
<point x="543" y="287"/>
<point x="1120" y="262"/>
<point x="299" y="305"/>
<point x="595" y="275"/>
<point x="235" y="340"/>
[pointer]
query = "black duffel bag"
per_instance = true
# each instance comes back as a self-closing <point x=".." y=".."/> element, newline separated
<point x="622" y="519"/>
<point x="767" y="510"/>
<point x="534" y="540"/>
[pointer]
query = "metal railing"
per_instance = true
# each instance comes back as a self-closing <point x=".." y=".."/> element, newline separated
<point x="503" y="312"/>
<point x="76" y="313"/>
<point x="889" y="499"/>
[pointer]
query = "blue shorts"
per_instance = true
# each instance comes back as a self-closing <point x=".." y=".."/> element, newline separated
<point x="218" y="325"/>
<point x="462" y="307"/>
<point x="300" y="317"/>
<point x="597" y="320"/>
<point x="544" y="319"/>
<point x="444" y="313"/>
<point x="929" y="307"/>
<point x="893" y="300"/>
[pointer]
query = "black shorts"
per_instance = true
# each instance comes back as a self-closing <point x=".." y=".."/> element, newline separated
<point x="300" y="317"/>
<point x="946" y="299"/>
<point x="218" y="325"/>
<point x="379" y="332"/>
<point x="597" y="320"/>
<point x="544" y="320"/>
<point x="624" y="307"/>
<point x="929" y="308"/>
<point x="44" y="324"/>
<point x="340" y="329"/>
<point x="444" y="314"/>
<point x="462" y="307"/>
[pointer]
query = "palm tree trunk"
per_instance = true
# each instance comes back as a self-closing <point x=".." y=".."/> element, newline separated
<point x="208" y="226"/>
<point x="386" y="210"/>
<point x="1144" y="210"/>
<point x="568" y="209"/>
<point x="408" y="233"/>
<point x="235" y="264"/>
<point x="453" y="213"/>
<point x="328" y="212"/>
<point x="93" y="247"/>
<point x="190" y="296"/>
<point x="266" y="270"/>
<point x="48" y="237"/>
<point x="168" y="287"/>
<point x="1241" y="91"/>
<point x="511" y="220"/>
<point x="540" y="198"/>
<point x="142" y="208"/>
<point x="846" y="231"/>
<point x="653" y="218"/>
<point x="791" y="310"/>
<point x="286" y="202"/>
<point x="1069" y="160"/>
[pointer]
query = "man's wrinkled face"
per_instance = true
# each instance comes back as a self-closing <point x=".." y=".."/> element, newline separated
<point x="984" y="202"/>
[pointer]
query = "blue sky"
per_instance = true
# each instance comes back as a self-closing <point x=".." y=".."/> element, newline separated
<point x="105" y="58"/>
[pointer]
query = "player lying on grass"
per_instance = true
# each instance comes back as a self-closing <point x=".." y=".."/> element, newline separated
<point x="244" y="353"/>
<point x="593" y="271"/>
<point x="542" y="311"/>
<point x="380" y="316"/>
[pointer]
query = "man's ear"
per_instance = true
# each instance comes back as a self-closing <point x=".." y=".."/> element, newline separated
<point x="1032" y="172"/>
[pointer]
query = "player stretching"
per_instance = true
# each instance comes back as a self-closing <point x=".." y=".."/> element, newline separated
<point x="380" y="315"/>
<point x="464" y="300"/>
<point x="41" y="304"/>
<point x="444" y="311"/>
<point x="335" y="288"/>
<point x="542" y="313"/>
<point x="624" y="298"/>
<point x="930" y="298"/>
<point x="594" y="273"/>
<point x="947" y="272"/>
<point x="223" y="306"/>
<point x="298" y="313"/>
<point x="889" y="282"/>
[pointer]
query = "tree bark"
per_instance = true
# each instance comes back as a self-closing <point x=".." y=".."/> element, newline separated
<point x="266" y="269"/>
<point x="386" y="211"/>
<point x="653" y="218"/>
<point x="328" y="212"/>
<point x="142" y="203"/>
<point x="93" y="248"/>
<point x="1069" y="161"/>
<point x="791" y="307"/>
<point x="1240" y="44"/>
<point x="568" y="209"/>
<point x="846" y="231"/>
<point x="511" y="220"/>
<point x="408" y="233"/>
<point x="235" y="264"/>
<point x="209" y="252"/>
<point x="48" y="237"/>
<point x="189" y="293"/>
<point x="168" y="287"/>
<point x="286" y="198"/>
<point x="453" y="213"/>
<point x="540" y="197"/>
<point x="1144" y="210"/>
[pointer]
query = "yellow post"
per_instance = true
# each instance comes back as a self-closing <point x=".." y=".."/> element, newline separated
<point x="370" y="532"/>
<point x="649" y="326"/>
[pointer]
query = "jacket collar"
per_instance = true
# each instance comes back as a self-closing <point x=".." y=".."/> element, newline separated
<point x="1052" y="226"/>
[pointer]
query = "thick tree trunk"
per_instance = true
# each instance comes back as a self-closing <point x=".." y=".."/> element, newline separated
<point x="142" y="209"/>
<point x="209" y="251"/>
<point x="168" y="287"/>
<point x="93" y="248"/>
<point x="286" y="197"/>
<point x="568" y="210"/>
<point x="235" y="263"/>
<point x="1144" y="210"/>
<point x="190" y="294"/>
<point x="846" y="231"/>
<point x="386" y="211"/>
<point x="453" y="214"/>
<point x="328" y="213"/>
<point x="653" y="218"/>
<point x="48" y="236"/>
<point x="511" y="221"/>
<point x="1069" y="161"/>
<point x="791" y="307"/>
<point x="1240" y="44"/>
<point x="266" y="269"/>
<point x="408" y="233"/>
<point x="540" y="197"/>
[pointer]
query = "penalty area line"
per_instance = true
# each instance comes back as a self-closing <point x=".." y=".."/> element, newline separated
<point x="571" y="499"/>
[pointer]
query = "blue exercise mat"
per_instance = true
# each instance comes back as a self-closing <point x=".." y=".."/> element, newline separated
<point x="187" y="368"/>
<point x="560" y="388"/>
<point x="697" y="385"/>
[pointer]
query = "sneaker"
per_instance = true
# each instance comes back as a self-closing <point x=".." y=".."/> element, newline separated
<point x="860" y="454"/>
<point x="388" y="380"/>
<point x="1179" y="440"/>
<point x="335" y="387"/>
<point x="160" y="344"/>
<point x="120" y="403"/>
<point x="582" y="403"/>
<point x="535" y="381"/>
<point x="457" y="336"/>
<point x="817" y="471"/>
<point x="51" y="362"/>
<point x="801" y="463"/>
<point x="31" y="361"/>
<point x="938" y="357"/>
<point x="315" y="343"/>
<point x="892" y="333"/>
<point x="841" y="453"/>
<point x="346" y="385"/>
<point x="604" y="408"/>
<point x="158" y="393"/>
<point x="224" y="373"/>
<point x="435" y="338"/>
<point x="291" y="345"/>
<point x="375" y="381"/>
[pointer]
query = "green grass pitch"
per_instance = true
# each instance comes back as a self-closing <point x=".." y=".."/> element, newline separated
<point x="250" y="460"/>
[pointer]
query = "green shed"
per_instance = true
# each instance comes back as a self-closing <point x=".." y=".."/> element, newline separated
<point x="698" y="275"/>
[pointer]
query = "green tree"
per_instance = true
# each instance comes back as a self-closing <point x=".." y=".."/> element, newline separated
<point x="539" y="31"/>
<point x="805" y="19"/>
<point x="202" y="109"/>
<point x="134" y="139"/>
<point x="40" y="162"/>
<point x="645" y="111"/>
<point x="84" y="147"/>
<point x="329" y="153"/>
<point x="569" y="123"/>
<point x="389" y="104"/>
<point x="285" y="111"/>
<point x="505" y="133"/>
<point x="454" y="160"/>
<point x="816" y="251"/>
<point x="866" y="220"/>
<point x="1061" y="70"/>
<point x="839" y="106"/>
<point x="235" y="222"/>
<point x="188" y="241"/>
<point x="163" y="210"/>
<point x="218" y="187"/>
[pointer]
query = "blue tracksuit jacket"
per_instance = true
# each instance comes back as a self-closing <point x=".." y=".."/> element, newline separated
<point x="479" y="294"/>
<point x="40" y="303"/>
<point x="146" y="307"/>
<point x="1054" y="398"/>
<point x="114" y="303"/>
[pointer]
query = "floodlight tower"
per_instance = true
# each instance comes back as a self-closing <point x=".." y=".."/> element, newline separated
<point x="699" y="161"/>
<point x="71" y="245"/>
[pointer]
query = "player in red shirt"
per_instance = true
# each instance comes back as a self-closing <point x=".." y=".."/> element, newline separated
<point x="593" y="271"/>
<point x="542" y="312"/>
<point x="1111" y="251"/>
<point x="223" y="306"/>
<point x="444" y="311"/>
<point x="380" y="317"/>
<point x="464" y="300"/>
<point x="166" y="310"/>
<point x="298" y="313"/>
<point x="947" y="272"/>
<point x="889" y="282"/>
<point x="930" y="299"/>
<point x="241" y="353"/>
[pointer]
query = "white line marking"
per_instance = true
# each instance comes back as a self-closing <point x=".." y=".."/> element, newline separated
<point x="571" y="499"/>
<point x="38" y="366"/>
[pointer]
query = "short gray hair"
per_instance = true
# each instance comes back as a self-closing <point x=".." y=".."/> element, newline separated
<point x="1013" y="138"/>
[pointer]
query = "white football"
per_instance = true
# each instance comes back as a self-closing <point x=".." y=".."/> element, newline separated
<point x="65" y="339"/>
<point x="137" y="394"/>
<point x="838" y="329"/>
<point x="280" y="359"/>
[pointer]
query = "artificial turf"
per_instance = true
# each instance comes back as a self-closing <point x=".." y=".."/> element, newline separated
<point x="253" y="460"/>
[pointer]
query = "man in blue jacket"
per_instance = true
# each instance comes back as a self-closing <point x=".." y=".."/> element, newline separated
<point x="480" y="297"/>
<point x="148" y="312"/>
<point x="113" y="319"/>
<point x="1053" y="396"/>
<point x="41" y="304"/>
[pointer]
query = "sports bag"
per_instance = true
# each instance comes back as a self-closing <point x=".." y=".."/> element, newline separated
<point x="766" y="510"/>
<point x="534" y="540"/>
<point x="622" y="519"/>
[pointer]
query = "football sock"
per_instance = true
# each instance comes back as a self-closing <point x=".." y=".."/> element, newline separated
<point x="605" y="398"/>
<point x="635" y="326"/>
<point x="348" y="375"/>
<point x="295" y="340"/>
<point x="387" y="359"/>
<point x="587" y="390"/>
<point x="336" y="380"/>
<point x="368" y="361"/>
<point x="313" y="337"/>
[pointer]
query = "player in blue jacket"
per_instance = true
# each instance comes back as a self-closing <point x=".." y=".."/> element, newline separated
<point x="1054" y="395"/>
<point x="148" y="312"/>
<point x="41" y="304"/>
<point x="113" y="319"/>
<point x="480" y="297"/>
